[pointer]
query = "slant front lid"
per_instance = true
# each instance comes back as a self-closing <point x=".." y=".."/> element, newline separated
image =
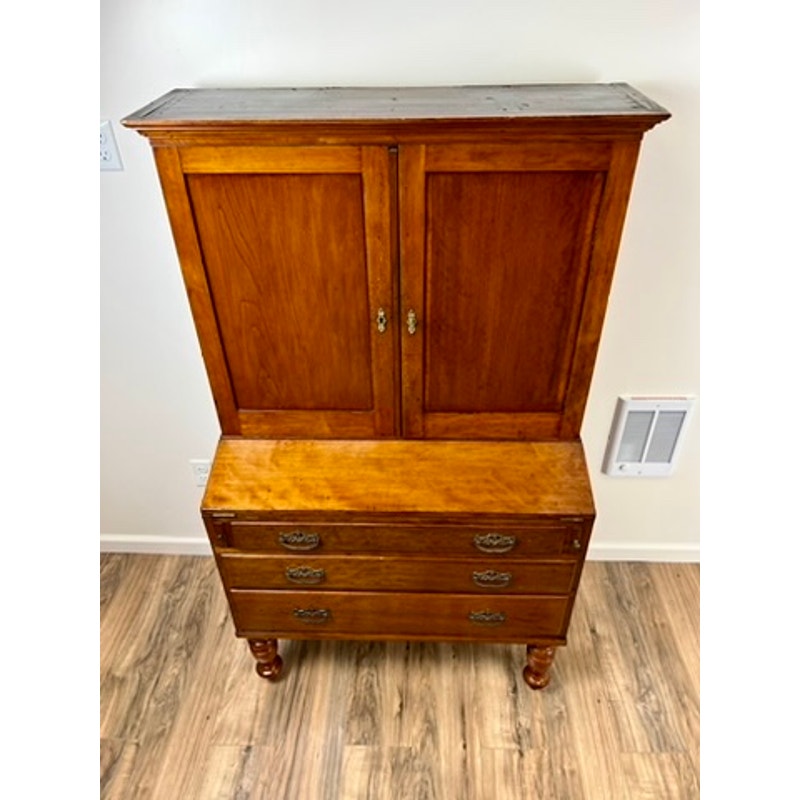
<point x="350" y="477"/>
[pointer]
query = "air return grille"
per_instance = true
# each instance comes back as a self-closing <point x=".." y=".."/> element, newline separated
<point x="645" y="435"/>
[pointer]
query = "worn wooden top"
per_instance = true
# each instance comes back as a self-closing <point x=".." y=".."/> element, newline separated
<point x="397" y="108"/>
<point x="359" y="478"/>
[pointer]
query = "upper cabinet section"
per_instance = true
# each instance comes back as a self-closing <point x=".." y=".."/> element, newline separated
<point x="421" y="263"/>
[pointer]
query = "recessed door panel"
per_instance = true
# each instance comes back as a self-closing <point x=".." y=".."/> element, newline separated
<point x="504" y="282"/>
<point x="298" y="264"/>
<point x="285" y="259"/>
<point x="500" y="273"/>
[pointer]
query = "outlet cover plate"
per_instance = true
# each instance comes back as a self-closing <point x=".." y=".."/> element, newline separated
<point x="201" y="467"/>
<point x="109" y="153"/>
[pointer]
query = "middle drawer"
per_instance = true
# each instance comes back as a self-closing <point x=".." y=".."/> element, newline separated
<point x="514" y="576"/>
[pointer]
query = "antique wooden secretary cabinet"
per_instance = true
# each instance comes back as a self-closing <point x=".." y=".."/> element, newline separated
<point x="399" y="295"/>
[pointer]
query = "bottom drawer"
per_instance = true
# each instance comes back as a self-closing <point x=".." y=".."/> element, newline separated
<point x="331" y="615"/>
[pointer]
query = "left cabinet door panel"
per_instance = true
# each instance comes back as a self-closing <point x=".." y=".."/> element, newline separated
<point x="287" y="256"/>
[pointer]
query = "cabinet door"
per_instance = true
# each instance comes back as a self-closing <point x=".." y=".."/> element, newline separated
<point x="501" y="245"/>
<point x="287" y="254"/>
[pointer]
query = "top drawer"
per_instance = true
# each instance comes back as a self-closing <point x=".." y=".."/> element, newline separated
<point x="557" y="537"/>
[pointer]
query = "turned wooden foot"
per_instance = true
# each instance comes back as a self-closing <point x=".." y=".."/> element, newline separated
<point x="537" y="671"/>
<point x="268" y="663"/>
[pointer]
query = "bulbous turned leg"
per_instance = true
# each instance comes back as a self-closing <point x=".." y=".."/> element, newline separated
<point x="537" y="671"/>
<point x="268" y="663"/>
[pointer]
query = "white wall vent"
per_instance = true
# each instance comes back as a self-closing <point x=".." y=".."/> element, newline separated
<point x="646" y="435"/>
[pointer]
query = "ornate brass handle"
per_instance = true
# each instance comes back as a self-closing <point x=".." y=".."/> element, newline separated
<point x="312" y="616"/>
<point x="381" y="321"/>
<point x="299" y="540"/>
<point x="305" y="575"/>
<point x="494" y="542"/>
<point x="487" y="617"/>
<point x="491" y="579"/>
<point x="411" y="319"/>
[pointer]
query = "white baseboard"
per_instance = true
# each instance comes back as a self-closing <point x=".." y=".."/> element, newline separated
<point x="199" y="546"/>
<point x="157" y="545"/>
<point x="688" y="552"/>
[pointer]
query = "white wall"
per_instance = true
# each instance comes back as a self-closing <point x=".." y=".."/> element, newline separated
<point x="156" y="407"/>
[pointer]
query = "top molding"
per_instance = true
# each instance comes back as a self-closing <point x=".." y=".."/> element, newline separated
<point x="398" y="114"/>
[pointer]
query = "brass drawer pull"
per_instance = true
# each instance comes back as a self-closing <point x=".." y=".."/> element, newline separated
<point x="491" y="579"/>
<point x="494" y="542"/>
<point x="487" y="617"/>
<point x="577" y="544"/>
<point x="411" y="322"/>
<point x="305" y="575"/>
<point x="299" y="540"/>
<point x="312" y="616"/>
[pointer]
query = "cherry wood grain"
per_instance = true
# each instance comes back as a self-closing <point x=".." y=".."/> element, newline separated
<point x="384" y="615"/>
<point x="291" y="515"/>
<point x="488" y="577"/>
<point x="503" y="288"/>
<point x="608" y="233"/>
<point x="321" y="423"/>
<point x="286" y="264"/>
<point x="288" y="160"/>
<point x="507" y="209"/>
<point x="196" y="282"/>
<point x="499" y="250"/>
<point x="507" y="479"/>
<point x="400" y="295"/>
<point x="291" y="249"/>
<point x="452" y="525"/>
<point x="379" y="187"/>
<point x="537" y="670"/>
<point x="269" y="664"/>
<point x="524" y="156"/>
<point x="494" y="539"/>
<point x="411" y="169"/>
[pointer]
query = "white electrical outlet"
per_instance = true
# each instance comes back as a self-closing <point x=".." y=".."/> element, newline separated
<point x="201" y="467"/>
<point x="109" y="154"/>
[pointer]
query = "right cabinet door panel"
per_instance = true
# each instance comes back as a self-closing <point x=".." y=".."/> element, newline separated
<point x="496" y="252"/>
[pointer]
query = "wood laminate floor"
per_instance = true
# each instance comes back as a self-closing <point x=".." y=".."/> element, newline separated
<point x="185" y="717"/>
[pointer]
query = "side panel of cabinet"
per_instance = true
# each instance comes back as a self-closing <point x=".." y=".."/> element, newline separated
<point x="289" y="251"/>
<point x="499" y="255"/>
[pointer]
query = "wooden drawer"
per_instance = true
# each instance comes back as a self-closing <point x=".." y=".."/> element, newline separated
<point x="487" y="575"/>
<point x="556" y="538"/>
<point x="385" y="615"/>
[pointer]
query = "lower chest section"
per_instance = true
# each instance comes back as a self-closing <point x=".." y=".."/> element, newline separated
<point x="393" y="579"/>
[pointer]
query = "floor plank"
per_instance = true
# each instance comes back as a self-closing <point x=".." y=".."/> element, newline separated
<point x="183" y="713"/>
